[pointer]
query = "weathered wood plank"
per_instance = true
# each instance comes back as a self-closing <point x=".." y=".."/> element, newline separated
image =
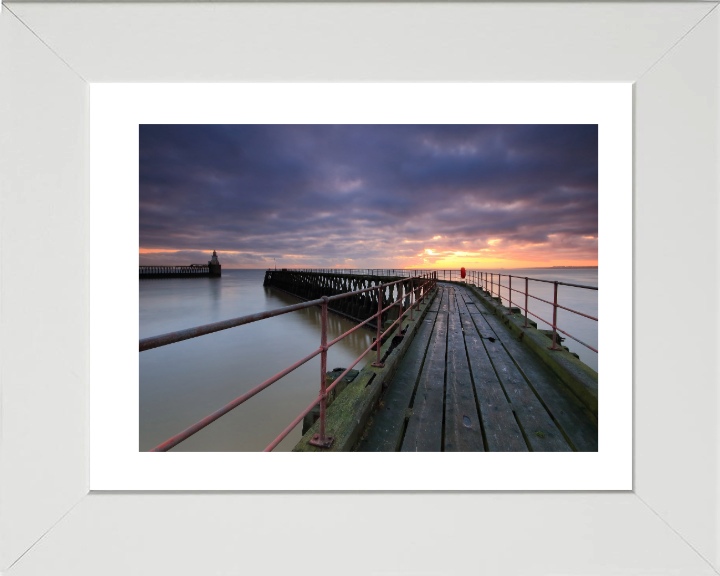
<point x="539" y="428"/>
<point x="444" y="301"/>
<point x="483" y="329"/>
<point x="435" y="306"/>
<point x="385" y="432"/>
<point x="463" y="432"/>
<point x="424" y="430"/>
<point x="569" y="413"/>
<point x="502" y="432"/>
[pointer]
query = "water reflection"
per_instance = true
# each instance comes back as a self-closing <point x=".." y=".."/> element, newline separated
<point x="335" y="324"/>
<point x="184" y="382"/>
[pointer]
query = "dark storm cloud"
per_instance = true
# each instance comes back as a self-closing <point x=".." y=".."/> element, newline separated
<point x="328" y="193"/>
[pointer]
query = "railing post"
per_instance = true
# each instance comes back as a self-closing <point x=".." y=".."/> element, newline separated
<point x="321" y="440"/>
<point x="401" y="294"/>
<point x="491" y="284"/>
<point x="526" y="303"/>
<point x="412" y="297"/>
<point x="554" y="327"/>
<point x="509" y="312"/>
<point x="378" y="321"/>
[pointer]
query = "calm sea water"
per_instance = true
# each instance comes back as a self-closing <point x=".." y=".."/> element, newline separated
<point x="585" y="301"/>
<point x="184" y="382"/>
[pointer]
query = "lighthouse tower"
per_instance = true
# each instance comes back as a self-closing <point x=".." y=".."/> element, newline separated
<point x="214" y="265"/>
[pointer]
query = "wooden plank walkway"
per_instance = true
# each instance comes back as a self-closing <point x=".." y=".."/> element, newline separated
<point x="466" y="384"/>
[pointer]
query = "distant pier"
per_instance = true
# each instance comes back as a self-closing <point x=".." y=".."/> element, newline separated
<point x="211" y="269"/>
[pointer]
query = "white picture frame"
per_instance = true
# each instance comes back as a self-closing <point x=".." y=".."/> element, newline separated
<point x="49" y="523"/>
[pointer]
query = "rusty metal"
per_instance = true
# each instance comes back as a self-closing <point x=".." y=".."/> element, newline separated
<point x="321" y="439"/>
<point x="292" y="426"/>
<point x="356" y="327"/>
<point x="564" y="308"/>
<point x="483" y="279"/>
<point x="554" y="323"/>
<point x="378" y="340"/>
<point x="412" y="297"/>
<point x="401" y="294"/>
<point x="577" y="340"/>
<point x="339" y="378"/>
<point x="509" y="312"/>
<point x="187" y="334"/>
<point x="430" y="281"/>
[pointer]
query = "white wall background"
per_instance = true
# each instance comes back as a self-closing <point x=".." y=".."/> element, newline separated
<point x="48" y="52"/>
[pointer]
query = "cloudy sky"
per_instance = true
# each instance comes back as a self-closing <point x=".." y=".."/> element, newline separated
<point x="479" y="196"/>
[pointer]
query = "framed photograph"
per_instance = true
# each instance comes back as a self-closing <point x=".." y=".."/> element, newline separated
<point x="587" y="125"/>
<point x="78" y="485"/>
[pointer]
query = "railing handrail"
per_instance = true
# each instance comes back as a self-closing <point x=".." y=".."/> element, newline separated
<point x="373" y="272"/>
<point x="179" y="336"/>
<point x="481" y="278"/>
<point x="471" y="272"/>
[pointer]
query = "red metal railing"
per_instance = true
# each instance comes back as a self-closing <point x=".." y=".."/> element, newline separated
<point x="494" y="286"/>
<point x="416" y="295"/>
<point x="491" y="282"/>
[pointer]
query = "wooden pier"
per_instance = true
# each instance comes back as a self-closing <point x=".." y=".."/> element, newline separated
<point x="466" y="383"/>
<point x="450" y="370"/>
